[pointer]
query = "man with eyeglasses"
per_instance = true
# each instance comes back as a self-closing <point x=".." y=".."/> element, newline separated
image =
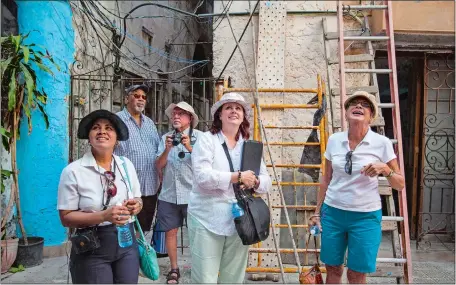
<point x="174" y="160"/>
<point x="141" y="148"/>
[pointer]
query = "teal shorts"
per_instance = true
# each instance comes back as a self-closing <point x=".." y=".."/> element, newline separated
<point x="360" y="232"/>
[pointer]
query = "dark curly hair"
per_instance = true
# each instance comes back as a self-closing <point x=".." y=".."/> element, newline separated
<point x="244" y="128"/>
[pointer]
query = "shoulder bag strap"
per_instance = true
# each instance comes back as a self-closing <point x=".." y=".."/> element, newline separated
<point x="235" y="185"/>
<point x="316" y="253"/>
<point x="138" y="226"/>
<point x="225" y="148"/>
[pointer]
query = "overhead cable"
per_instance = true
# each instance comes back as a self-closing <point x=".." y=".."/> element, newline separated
<point x="240" y="38"/>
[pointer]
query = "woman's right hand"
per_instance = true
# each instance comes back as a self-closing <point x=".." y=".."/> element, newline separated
<point x="118" y="215"/>
<point x="315" y="220"/>
<point x="248" y="178"/>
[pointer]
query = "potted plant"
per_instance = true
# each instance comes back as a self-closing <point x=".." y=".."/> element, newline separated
<point x="9" y="243"/>
<point x="19" y="83"/>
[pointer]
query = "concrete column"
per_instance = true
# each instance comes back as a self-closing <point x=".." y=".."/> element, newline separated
<point x="43" y="154"/>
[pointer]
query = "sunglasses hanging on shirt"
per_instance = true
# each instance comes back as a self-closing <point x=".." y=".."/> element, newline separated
<point x="348" y="164"/>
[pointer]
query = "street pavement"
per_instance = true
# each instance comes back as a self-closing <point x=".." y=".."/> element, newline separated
<point x="431" y="266"/>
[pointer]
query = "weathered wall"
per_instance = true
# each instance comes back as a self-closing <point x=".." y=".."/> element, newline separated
<point x="43" y="154"/>
<point x="420" y="17"/>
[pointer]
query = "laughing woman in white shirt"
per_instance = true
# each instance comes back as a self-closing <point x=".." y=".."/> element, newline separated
<point x="217" y="251"/>
<point x="349" y="204"/>
<point x="96" y="194"/>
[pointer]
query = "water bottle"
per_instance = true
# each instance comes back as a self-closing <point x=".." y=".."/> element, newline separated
<point x="236" y="209"/>
<point x="124" y="234"/>
<point x="315" y="230"/>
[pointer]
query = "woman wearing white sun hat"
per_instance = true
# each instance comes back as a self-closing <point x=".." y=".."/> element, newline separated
<point x="348" y="202"/>
<point x="218" y="254"/>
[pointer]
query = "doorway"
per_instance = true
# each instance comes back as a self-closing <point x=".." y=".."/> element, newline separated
<point x="426" y="98"/>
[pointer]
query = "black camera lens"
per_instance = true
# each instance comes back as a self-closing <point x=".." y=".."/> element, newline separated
<point x="177" y="139"/>
<point x="181" y="154"/>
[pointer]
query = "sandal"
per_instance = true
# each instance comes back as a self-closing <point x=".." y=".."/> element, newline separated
<point x="173" y="275"/>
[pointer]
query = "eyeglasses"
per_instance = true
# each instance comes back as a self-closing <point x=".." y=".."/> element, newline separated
<point x="348" y="164"/>
<point x="363" y="104"/>
<point x="111" y="188"/>
<point x="179" y="113"/>
<point x="137" y="96"/>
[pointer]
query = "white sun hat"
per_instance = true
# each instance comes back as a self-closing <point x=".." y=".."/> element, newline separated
<point x="184" y="106"/>
<point x="232" y="97"/>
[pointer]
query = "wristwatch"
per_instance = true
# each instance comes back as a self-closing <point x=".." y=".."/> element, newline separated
<point x="390" y="174"/>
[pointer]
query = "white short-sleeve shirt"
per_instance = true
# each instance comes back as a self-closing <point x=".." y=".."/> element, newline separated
<point x="82" y="184"/>
<point x="356" y="192"/>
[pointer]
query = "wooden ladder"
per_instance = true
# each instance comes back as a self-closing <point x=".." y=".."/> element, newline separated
<point x="401" y="268"/>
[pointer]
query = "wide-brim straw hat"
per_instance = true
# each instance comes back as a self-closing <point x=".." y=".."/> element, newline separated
<point x="232" y="97"/>
<point x="184" y="106"/>
<point x="85" y="125"/>
<point x="363" y="94"/>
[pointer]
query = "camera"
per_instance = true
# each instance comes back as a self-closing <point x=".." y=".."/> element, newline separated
<point x="177" y="138"/>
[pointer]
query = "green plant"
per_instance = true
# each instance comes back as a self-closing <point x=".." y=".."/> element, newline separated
<point x="17" y="269"/>
<point x="19" y="61"/>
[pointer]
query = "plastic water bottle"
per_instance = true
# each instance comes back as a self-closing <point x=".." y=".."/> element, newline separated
<point x="315" y="230"/>
<point x="236" y="209"/>
<point x="124" y="234"/>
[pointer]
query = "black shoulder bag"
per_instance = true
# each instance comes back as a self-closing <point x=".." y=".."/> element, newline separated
<point x="253" y="226"/>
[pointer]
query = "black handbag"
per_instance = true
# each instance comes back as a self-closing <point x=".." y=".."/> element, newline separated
<point x="253" y="226"/>
<point x="85" y="240"/>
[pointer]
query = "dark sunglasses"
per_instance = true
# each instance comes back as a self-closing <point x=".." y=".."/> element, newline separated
<point x="137" y="96"/>
<point x="364" y="104"/>
<point x="112" y="188"/>
<point x="348" y="164"/>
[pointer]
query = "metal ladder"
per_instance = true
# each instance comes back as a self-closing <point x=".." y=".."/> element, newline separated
<point x="401" y="259"/>
<point x="259" y="270"/>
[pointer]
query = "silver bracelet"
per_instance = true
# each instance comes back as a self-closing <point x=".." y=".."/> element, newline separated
<point x="316" y="215"/>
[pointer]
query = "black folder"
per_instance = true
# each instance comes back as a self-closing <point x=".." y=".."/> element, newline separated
<point x="252" y="154"/>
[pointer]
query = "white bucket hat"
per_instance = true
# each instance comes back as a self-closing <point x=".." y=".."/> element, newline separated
<point x="363" y="94"/>
<point x="232" y="98"/>
<point x="184" y="106"/>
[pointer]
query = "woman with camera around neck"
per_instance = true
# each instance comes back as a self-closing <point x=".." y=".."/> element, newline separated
<point x="98" y="195"/>
<point x="348" y="209"/>
<point x="174" y="160"/>
<point x="216" y="248"/>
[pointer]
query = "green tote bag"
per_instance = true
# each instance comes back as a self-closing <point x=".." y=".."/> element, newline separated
<point x="147" y="256"/>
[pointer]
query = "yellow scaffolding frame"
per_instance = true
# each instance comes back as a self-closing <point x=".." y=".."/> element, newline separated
<point x="256" y="136"/>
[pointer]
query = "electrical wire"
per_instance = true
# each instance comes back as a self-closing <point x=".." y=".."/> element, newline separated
<point x="224" y="12"/>
<point x="240" y="38"/>
<point x="140" y="42"/>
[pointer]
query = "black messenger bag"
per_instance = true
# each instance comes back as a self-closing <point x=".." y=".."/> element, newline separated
<point x="253" y="226"/>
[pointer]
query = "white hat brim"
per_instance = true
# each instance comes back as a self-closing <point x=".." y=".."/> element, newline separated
<point x="171" y="107"/>
<point x="245" y="105"/>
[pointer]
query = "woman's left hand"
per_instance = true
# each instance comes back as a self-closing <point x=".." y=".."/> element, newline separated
<point x="134" y="206"/>
<point x="375" y="169"/>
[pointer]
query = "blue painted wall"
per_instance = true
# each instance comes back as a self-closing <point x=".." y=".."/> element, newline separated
<point x="44" y="153"/>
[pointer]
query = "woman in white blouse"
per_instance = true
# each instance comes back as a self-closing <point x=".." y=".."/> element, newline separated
<point x="349" y="204"/>
<point x="96" y="194"/>
<point x="216" y="249"/>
